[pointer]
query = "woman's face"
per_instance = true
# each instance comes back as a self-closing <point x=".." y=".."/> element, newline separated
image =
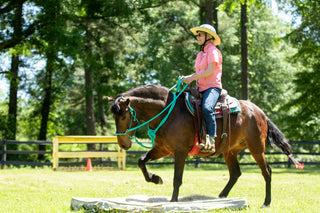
<point x="201" y="37"/>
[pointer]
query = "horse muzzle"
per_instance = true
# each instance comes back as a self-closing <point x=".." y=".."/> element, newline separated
<point x="124" y="142"/>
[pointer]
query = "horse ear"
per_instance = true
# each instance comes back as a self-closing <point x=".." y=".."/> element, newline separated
<point x="124" y="102"/>
<point x="127" y="101"/>
<point x="110" y="99"/>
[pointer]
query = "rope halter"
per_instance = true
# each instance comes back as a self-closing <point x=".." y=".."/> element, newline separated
<point x="152" y="132"/>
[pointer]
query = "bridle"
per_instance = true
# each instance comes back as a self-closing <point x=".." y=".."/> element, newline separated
<point x="152" y="132"/>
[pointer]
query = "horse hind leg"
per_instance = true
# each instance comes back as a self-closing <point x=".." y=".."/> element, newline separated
<point x="234" y="172"/>
<point x="266" y="173"/>
<point x="149" y="177"/>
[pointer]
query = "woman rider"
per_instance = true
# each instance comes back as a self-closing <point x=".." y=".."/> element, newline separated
<point x="208" y="74"/>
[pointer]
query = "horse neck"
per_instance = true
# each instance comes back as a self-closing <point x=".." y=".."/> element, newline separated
<point x="147" y="109"/>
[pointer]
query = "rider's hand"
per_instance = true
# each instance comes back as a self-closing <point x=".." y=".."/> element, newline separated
<point x="187" y="79"/>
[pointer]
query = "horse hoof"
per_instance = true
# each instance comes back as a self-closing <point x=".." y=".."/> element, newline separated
<point x="156" y="179"/>
<point x="264" y="206"/>
<point x="160" y="181"/>
<point x="174" y="200"/>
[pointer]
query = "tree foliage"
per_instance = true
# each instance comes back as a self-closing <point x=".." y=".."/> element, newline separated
<point x="305" y="122"/>
<point x="123" y="44"/>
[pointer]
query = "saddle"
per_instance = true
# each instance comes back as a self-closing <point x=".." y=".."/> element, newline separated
<point x="225" y="105"/>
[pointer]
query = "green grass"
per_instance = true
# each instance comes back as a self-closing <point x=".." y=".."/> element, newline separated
<point x="44" y="190"/>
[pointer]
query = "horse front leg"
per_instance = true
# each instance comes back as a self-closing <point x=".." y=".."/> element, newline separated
<point x="148" y="156"/>
<point x="179" y="162"/>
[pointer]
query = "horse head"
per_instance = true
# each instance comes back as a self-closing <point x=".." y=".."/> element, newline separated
<point x="122" y="117"/>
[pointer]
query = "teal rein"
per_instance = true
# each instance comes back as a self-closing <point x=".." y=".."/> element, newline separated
<point x="152" y="132"/>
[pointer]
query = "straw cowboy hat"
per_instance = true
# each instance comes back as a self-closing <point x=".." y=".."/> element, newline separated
<point x="208" y="29"/>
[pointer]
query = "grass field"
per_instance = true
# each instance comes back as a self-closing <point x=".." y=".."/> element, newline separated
<point x="44" y="190"/>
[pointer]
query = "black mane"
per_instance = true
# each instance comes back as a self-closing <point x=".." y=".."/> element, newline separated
<point x="141" y="93"/>
<point x="149" y="91"/>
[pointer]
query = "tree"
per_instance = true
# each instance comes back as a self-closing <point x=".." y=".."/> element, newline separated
<point x="50" y="22"/>
<point x="209" y="12"/>
<point x="244" y="51"/>
<point x="15" y="30"/>
<point x="53" y="43"/>
<point x="97" y="48"/>
<point x="271" y="74"/>
<point x="304" y="123"/>
<point x="17" y="21"/>
<point x="98" y="14"/>
<point x="6" y="37"/>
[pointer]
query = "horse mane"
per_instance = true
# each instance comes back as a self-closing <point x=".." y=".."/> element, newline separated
<point x="141" y="94"/>
<point x="149" y="91"/>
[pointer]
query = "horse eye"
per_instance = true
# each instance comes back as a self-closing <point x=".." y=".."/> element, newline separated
<point x="123" y="117"/>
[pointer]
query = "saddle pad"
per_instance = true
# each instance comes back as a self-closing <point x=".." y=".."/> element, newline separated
<point x="233" y="103"/>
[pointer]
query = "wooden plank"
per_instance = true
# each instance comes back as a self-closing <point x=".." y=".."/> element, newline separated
<point x="10" y="142"/>
<point x="23" y="152"/>
<point x="120" y="155"/>
<point x="86" y="139"/>
<point x="89" y="154"/>
<point x="27" y="163"/>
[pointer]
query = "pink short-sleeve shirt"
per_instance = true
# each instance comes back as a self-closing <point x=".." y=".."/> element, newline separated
<point x="211" y="54"/>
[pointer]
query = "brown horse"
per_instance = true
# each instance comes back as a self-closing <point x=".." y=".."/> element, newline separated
<point x="249" y="129"/>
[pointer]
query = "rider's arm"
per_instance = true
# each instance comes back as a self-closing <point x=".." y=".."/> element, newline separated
<point x="196" y="76"/>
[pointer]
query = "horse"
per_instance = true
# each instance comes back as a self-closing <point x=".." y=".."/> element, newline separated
<point x="249" y="129"/>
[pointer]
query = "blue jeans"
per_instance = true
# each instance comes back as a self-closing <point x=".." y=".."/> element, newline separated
<point x="209" y="100"/>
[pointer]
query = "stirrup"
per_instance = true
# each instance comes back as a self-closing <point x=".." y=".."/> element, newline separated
<point x="207" y="146"/>
<point x="201" y="145"/>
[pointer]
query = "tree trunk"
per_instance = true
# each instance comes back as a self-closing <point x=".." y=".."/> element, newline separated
<point x="102" y="116"/>
<point x="51" y="11"/>
<point x="215" y="14"/>
<point x="209" y="12"/>
<point x="103" y="120"/>
<point x="89" y="103"/>
<point x="45" y="109"/>
<point x="244" y="52"/>
<point x="13" y="103"/>
<point x="90" y="118"/>
<point x="89" y="107"/>
<point x="14" y="77"/>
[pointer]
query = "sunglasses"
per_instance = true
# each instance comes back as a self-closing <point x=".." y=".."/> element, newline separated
<point x="199" y="35"/>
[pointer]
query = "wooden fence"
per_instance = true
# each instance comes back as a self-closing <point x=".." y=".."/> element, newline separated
<point x="5" y="152"/>
<point x="4" y="144"/>
<point x="56" y="154"/>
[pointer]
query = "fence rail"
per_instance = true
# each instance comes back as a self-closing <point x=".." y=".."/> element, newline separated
<point x="56" y="154"/>
<point x="5" y="152"/>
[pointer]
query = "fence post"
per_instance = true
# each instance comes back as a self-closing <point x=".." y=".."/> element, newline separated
<point x="55" y="150"/>
<point x="196" y="165"/>
<point x="124" y="159"/>
<point x="101" y="149"/>
<point x="4" y="155"/>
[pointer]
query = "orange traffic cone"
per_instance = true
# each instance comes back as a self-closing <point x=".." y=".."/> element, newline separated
<point x="89" y="165"/>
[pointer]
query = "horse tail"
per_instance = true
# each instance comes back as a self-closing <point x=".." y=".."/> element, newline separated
<point x="277" y="138"/>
